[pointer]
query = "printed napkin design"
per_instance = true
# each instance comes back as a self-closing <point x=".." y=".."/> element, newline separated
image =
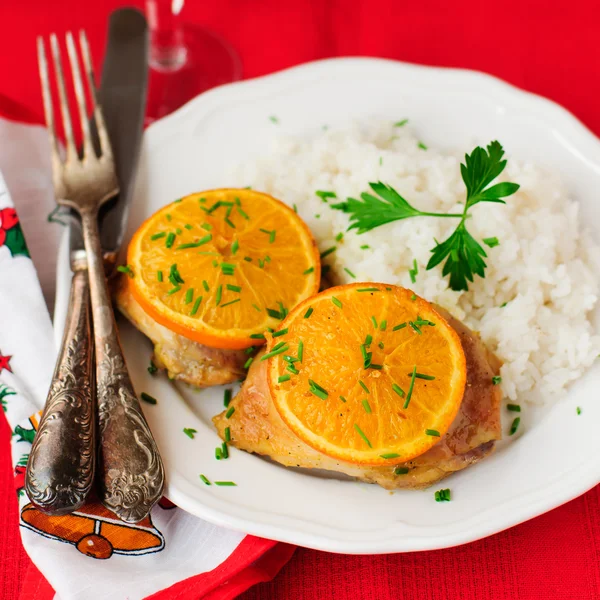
<point x="166" y="549"/>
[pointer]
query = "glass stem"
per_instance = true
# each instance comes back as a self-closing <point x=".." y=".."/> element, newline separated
<point x="167" y="49"/>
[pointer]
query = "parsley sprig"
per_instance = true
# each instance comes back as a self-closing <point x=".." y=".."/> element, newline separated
<point x="462" y="253"/>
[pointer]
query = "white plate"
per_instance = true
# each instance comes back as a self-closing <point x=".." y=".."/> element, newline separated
<point x="554" y="460"/>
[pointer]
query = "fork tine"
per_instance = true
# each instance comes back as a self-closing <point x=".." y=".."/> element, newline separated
<point x="88" y="148"/>
<point x="47" y="98"/>
<point x="105" y="148"/>
<point x="64" y="104"/>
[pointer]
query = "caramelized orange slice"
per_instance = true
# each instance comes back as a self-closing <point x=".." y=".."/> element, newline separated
<point x="222" y="266"/>
<point x="367" y="373"/>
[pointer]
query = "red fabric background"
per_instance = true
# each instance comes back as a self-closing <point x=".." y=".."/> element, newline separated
<point x="545" y="46"/>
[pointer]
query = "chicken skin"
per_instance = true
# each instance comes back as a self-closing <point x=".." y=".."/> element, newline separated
<point x="184" y="359"/>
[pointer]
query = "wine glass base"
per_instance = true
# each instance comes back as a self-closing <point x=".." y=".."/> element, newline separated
<point x="209" y="61"/>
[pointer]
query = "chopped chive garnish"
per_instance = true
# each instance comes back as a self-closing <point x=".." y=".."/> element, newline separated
<point x="189" y="432"/>
<point x="196" y="305"/>
<point x="579" y="410"/>
<point x="382" y="325"/>
<point x="374" y="320"/>
<point x="423" y="376"/>
<point x="324" y="195"/>
<point x="309" y="270"/>
<point x="218" y="453"/>
<point x="147" y="397"/>
<point x="257" y="336"/>
<point x="206" y="226"/>
<point x="375" y="366"/>
<point x="317" y="390"/>
<point x="390" y="455"/>
<point x="410" y="388"/>
<point x="366" y="406"/>
<point x="248" y="362"/>
<point x="189" y="295"/>
<point x="159" y="276"/>
<point x="174" y="290"/>
<point x="363" y="386"/>
<point x="157" y="236"/>
<point x="226" y="483"/>
<point x="398" y="390"/>
<point x="170" y="240"/>
<point x="206" y="481"/>
<point x="247" y="259"/>
<point x="205" y="285"/>
<point x="401" y="470"/>
<point x="230" y="302"/>
<point x="292" y="369"/>
<point x="200" y="242"/>
<point x="188" y="226"/>
<point x="235" y="246"/>
<point x="415" y="327"/>
<point x="401" y="123"/>
<point x="152" y="368"/>
<point x="250" y="350"/>
<point x="368" y="339"/>
<point x="401" y="326"/>
<point x="414" y="271"/>
<point x="442" y="495"/>
<point x="491" y="242"/>
<point x="125" y="269"/>
<point x="413" y="297"/>
<point x="227" y="434"/>
<point x="229" y="222"/>
<point x="227" y="268"/>
<point x="339" y="237"/>
<point x="234" y="288"/>
<point x="283" y="378"/>
<point x="230" y="412"/>
<point x="328" y="251"/>
<point x="279" y="345"/>
<point x="227" y="397"/>
<point x="174" y="276"/>
<point x="514" y="426"/>
<point x="432" y="432"/>
<point x="381" y="346"/>
<point x="178" y="231"/>
<point x="279" y="350"/>
<point x="308" y="312"/>
<point x="371" y="289"/>
<point x="513" y="407"/>
<point x="219" y="295"/>
<point x="225" y="450"/>
<point x="365" y="247"/>
<point x="274" y="119"/>
<point x="256" y="307"/>
<point x="342" y="399"/>
<point x="300" y="350"/>
<point x="242" y="213"/>
<point x="422" y="146"/>
<point x="496" y="379"/>
<point x="362" y="435"/>
<point x="169" y="217"/>
<point x="280" y="332"/>
<point x="336" y="301"/>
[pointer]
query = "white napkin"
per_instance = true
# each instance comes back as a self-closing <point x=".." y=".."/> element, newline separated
<point x="173" y="546"/>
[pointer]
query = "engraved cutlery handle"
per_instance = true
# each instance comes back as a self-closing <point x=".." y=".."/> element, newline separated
<point x="131" y="473"/>
<point x="60" y="470"/>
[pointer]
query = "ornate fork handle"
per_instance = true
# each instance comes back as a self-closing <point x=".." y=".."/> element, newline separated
<point x="60" y="470"/>
<point x="131" y="473"/>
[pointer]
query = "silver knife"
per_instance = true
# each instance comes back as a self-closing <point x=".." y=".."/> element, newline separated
<point x="61" y="468"/>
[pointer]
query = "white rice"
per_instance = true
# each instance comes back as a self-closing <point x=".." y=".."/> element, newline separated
<point x="545" y="267"/>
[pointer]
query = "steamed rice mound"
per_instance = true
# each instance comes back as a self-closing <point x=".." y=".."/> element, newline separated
<point x="534" y="307"/>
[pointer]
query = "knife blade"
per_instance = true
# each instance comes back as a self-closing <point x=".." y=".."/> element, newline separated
<point x="122" y="95"/>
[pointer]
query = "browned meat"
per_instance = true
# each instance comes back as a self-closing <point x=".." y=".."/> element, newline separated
<point x="257" y="427"/>
<point x="183" y="359"/>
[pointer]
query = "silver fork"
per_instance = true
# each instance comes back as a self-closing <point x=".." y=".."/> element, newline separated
<point x="131" y="473"/>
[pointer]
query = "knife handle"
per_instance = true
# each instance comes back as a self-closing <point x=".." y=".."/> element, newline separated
<point x="60" y="470"/>
<point x="130" y="470"/>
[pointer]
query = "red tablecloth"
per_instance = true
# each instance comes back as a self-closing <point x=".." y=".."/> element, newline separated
<point x="545" y="46"/>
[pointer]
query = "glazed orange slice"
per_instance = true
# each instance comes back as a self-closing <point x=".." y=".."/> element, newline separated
<point x="221" y="267"/>
<point x="367" y="373"/>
